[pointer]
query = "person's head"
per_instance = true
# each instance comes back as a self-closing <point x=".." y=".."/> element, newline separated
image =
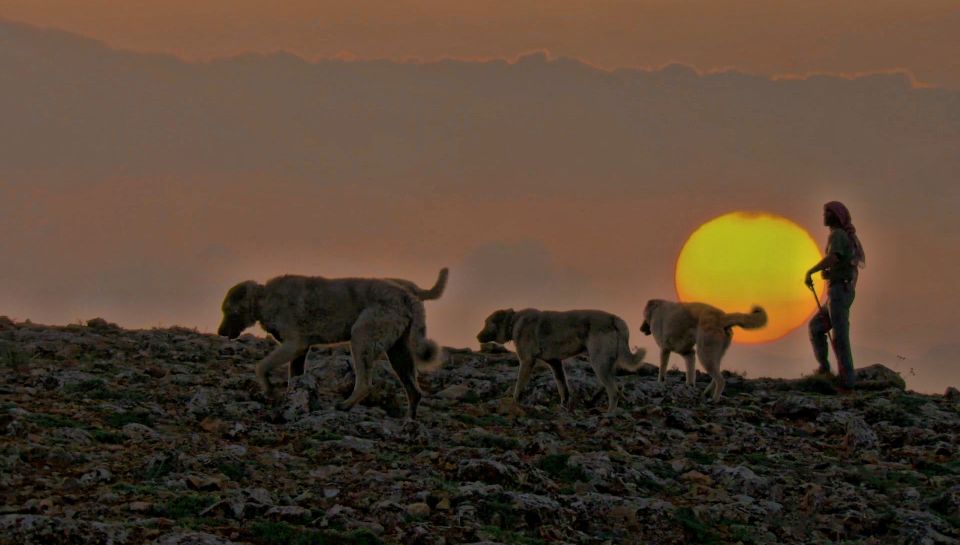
<point x="836" y="215"/>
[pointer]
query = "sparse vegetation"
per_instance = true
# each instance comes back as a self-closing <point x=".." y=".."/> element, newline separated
<point x="119" y="420"/>
<point x="188" y="505"/>
<point x="281" y="533"/>
<point x="696" y="530"/>
<point x="54" y="421"/>
<point x="558" y="467"/>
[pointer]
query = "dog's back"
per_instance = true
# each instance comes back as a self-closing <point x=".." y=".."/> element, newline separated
<point x="322" y="310"/>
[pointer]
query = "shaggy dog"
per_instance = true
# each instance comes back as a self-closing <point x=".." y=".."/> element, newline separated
<point x="554" y="336"/>
<point x="300" y="311"/>
<point x="696" y="328"/>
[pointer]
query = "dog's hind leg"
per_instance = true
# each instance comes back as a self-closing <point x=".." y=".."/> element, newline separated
<point x="664" y="362"/>
<point x="690" y="358"/>
<point x="374" y="331"/>
<point x="406" y="369"/>
<point x="603" y="359"/>
<point x="711" y="345"/>
<point x="561" y="378"/>
<point x="362" y="358"/>
<point x="297" y="364"/>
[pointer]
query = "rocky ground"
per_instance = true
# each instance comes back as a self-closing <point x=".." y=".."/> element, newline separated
<point x="160" y="436"/>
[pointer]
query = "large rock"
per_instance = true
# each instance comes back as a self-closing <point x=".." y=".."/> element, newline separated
<point x="879" y="377"/>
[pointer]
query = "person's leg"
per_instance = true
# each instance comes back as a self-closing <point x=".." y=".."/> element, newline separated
<point x="819" y="325"/>
<point x="841" y="298"/>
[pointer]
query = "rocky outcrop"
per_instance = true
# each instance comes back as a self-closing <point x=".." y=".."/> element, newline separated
<point x="161" y="436"/>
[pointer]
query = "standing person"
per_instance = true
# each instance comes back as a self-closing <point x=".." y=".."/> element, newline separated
<point x="840" y="268"/>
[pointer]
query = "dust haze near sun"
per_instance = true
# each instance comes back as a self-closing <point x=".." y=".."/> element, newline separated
<point x="139" y="186"/>
<point x="742" y="259"/>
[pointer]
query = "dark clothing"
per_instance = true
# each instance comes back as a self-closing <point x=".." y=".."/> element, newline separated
<point x="840" y="245"/>
<point x="836" y="316"/>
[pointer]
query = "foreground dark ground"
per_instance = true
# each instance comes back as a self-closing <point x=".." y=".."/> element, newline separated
<point x="111" y="436"/>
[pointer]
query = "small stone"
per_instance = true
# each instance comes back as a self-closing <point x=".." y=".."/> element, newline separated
<point x="99" y="475"/>
<point x="860" y="436"/>
<point x="140" y="507"/>
<point x="139" y="432"/>
<point x="289" y="513"/>
<point x="795" y="407"/>
<point x="418" y="510"/>
<point x="457" y="391"/>
<point x="203" y="483"/>
<point x="695" y="476"/>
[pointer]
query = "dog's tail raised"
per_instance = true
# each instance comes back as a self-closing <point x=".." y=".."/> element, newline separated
<point x="437" y="290"/>
<point x="424" y="295"/>
<point x="424" y="350"/>
<point x="631" y="361"/>
<point x="756" y="319"/>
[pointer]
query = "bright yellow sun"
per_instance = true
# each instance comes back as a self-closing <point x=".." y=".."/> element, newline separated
<point x="742" y="259"/>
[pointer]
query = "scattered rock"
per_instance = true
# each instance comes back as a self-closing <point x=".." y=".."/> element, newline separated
<point x="192" y="538"/>
<point x="129" y="437"/>
<point x="795" y="407"/>
<point x="860" y="436"/>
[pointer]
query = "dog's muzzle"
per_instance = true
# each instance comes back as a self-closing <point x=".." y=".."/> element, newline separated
<point x="645" y="328"/>
<point x="230" y="330"/>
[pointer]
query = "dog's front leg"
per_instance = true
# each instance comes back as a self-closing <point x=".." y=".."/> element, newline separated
<point x="279" y="356"/>
<point x="526" y="367"/>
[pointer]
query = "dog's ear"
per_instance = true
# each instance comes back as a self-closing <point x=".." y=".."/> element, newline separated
<point x="238" y="293"/>
<point x="505" y="329"/>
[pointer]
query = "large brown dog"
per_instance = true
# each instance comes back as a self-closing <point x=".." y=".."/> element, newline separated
<point x="696" y="328"/>
<point x="554" y="336"/>
<point x="300" y="311"/>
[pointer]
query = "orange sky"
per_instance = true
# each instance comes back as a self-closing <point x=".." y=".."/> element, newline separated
<point x="138" y="187"/>
<point x="758" y="36"/>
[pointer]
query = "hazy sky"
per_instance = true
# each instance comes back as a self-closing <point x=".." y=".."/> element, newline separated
<point x="768" y="37"/>
<point x="139" y="187"/>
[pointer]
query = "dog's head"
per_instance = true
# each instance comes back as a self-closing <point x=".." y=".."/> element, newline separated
<point x="648" y="311"/>
<point x="498" y="327"/>
<point x="241" y="309"/>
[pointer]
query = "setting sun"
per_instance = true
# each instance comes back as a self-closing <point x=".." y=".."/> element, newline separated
<point x="742" y="259"/>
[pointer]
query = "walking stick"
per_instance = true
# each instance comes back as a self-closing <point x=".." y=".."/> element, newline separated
<point x="828" y="327"/>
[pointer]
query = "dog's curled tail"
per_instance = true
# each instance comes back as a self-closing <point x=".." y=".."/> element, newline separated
<point x="437" y="290"/>
<point x="631" y="361"/>
<point x="756" y="319"/>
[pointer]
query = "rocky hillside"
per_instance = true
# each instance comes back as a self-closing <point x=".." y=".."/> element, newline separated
<point x="110" y="436"/>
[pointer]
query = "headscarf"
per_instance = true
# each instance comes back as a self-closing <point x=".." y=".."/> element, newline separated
<point x="846" y="223"/>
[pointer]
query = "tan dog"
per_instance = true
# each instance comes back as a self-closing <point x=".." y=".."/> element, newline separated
<point x="696" y="328"/>
<point x="300" y="311"/>
<point x="554" y="336"/>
